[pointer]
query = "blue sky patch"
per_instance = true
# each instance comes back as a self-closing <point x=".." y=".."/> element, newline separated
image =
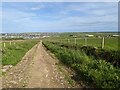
<point x="59" y="16"/>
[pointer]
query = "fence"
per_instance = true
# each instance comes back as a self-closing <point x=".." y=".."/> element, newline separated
<point x="8" y="43"/>
<point x="103" y="42"/>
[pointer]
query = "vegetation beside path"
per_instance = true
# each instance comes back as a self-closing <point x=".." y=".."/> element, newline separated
<point x="12" y="53"/>
<point x="95" y="71"/>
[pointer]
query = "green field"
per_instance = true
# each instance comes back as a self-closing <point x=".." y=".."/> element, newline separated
<point x="98" y="66"/>
<point x="13" y="53"/>
<point x="109" y="43"/>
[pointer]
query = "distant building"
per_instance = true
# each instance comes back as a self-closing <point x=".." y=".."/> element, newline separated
<point x="116" y="35"/>
<point x="45" y="36"/>
<point x="88" y="35"/>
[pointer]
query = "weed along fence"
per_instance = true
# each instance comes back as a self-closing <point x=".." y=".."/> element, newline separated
<point x="99" y="48"/>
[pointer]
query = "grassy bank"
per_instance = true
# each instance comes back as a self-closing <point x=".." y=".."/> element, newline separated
<point x="95" y="71"/>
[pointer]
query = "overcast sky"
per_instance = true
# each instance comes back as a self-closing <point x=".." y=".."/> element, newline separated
<point x="59" y="16"/>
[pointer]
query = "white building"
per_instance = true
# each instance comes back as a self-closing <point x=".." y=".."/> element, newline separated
<point x="88" y="35"/>
<point x="116" y="35"/>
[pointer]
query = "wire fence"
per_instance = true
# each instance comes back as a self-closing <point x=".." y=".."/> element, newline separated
<point x="104" y="42"/>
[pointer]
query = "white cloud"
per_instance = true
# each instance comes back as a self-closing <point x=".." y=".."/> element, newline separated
<point x="38" y="7"/>
<point x="14" y="19"/>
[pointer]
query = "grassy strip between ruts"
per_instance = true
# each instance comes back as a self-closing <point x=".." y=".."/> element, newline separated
<point x="12" y="54"/>
<point x="98" y="72"/>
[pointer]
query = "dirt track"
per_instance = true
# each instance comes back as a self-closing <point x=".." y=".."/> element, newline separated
<point x="37" y="69"/>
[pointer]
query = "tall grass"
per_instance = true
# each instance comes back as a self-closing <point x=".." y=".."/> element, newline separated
<point x="98" y="72"/>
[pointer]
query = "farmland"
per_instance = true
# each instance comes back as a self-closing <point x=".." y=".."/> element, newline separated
<point x="12" y="52"/>
<point x="60" y="44"/>
<point x="93" y="63"/>
<point x="110" y="43"/>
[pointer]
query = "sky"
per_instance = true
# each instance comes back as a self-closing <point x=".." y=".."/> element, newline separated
<point x="59" y="17"/>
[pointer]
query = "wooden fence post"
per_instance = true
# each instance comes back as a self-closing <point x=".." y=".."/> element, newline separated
<point x="10" y="42"/>
<point x="68" y="40"/>
<point x="75" y="40"/>
<point x="4" y="44"/>
<point x="85" y="41"/>
<point x="103" y="42"/>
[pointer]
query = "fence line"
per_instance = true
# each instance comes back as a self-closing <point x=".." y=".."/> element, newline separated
<point x="85" y="41"/>
<point x="4" y="44"/>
